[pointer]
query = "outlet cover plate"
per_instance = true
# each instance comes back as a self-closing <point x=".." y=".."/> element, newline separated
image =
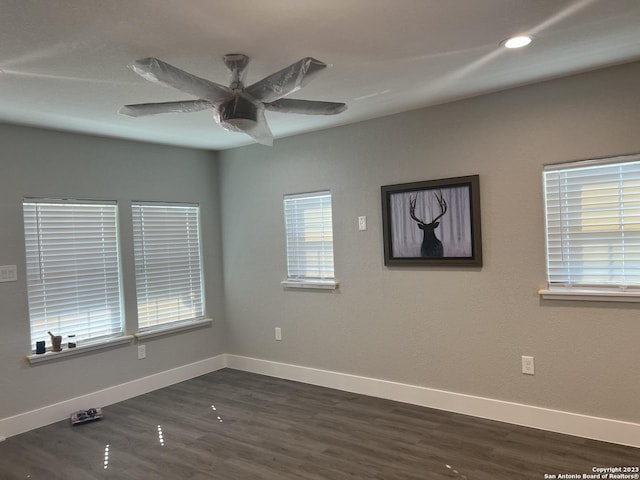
<point x="8" y="273"/>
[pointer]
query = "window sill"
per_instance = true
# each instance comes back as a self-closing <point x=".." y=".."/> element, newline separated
<point x="160" y="331"/>
<point x="68" y="352"/>
<point x="311" y="284"/>
<point x="590" y="295"/>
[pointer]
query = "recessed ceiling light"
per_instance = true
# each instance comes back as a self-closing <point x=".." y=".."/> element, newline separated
<point x="517" y="42"/>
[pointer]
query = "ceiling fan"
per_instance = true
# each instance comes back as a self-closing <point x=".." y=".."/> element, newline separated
<point x="236" y="108"/>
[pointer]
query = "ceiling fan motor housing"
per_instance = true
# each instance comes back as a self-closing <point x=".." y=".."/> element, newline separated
<point x="238" y="113"/>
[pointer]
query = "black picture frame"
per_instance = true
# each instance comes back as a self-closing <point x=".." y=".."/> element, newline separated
<point x="452" y="236"/>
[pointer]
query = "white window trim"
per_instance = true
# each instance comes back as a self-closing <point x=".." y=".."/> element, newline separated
<point x="302" y="282"/>
<point x="588" y="295"/>
<point x="116" y="341"/>
<point x="173" y="328"/>
<point x="311" y="284"/>
<point x="585" y="293"/>
<point x="88" y="347"/>
<point x="106" y="339"/>
<point x="167" y="327"/>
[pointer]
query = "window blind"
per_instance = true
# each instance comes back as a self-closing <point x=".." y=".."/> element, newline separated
<point x="593" y="223"/>
<point x="309" y="235"/>
<point x="73" y="269"/>
<point x="168" y="263"/>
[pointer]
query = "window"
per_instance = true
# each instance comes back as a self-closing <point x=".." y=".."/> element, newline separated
<point x="593" y="224"/>
<point x="169" y="285"/>
<point x="73" y="269"/>
<point x="309" y="235"/>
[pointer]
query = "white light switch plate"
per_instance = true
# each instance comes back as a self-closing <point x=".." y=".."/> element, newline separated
<point x="527" y="365"/>
<point x="8" y="273"/>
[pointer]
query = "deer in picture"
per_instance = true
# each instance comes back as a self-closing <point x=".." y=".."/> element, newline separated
<point x="431" y="245"/>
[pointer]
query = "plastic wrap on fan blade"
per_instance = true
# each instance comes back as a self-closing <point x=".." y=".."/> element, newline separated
<point x="163" y="73"/>
<point x="305" y="107"/>
<point x="260" y="132"/>
<point x="143" y="109"/>
<point x="287" y="80"/>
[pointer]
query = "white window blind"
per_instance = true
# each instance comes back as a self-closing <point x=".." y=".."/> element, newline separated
<point x="309" y="233"/>
<point x="593" y="223"/>
<point x="169" y="282"/>
<point x="73" y="269"/>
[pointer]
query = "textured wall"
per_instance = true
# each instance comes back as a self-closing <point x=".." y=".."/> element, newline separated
<point x="37" y="162"/>
<point x="456" y="329"/>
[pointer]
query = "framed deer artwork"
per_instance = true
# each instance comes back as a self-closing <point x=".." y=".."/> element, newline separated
<point x="435" y="222"/>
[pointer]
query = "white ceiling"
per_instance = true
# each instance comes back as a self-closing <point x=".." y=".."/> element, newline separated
<point x="63" y="63"/>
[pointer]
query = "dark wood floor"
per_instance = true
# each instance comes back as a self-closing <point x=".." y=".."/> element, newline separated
<point x="232" y="425"/>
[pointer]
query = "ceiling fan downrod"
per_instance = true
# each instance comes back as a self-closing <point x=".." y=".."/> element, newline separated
<point x="236" y="63"/>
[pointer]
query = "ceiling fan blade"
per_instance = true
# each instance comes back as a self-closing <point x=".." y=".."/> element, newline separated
<point x="305" y="107"/>
<point x="161" y="72"/>
<point x="142" y="109"/>
<point x="260" y="132"/>
<point x="286" y="81"/>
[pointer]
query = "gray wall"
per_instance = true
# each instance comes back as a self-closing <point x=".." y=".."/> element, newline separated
<point x="456" y="329"/>
<point x="461" y="330"/>
<point x="46" y="163"/>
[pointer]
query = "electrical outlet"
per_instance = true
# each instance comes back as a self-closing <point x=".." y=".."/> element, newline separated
<point x="142" y="352"/>
<point x="8" y="273"/>
<point x="527" y="365"/>
<point x="278" y="333"/>
<point x="362" y="223"/>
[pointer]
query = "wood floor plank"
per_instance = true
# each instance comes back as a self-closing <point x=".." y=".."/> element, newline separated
<point x="233" y="425"/>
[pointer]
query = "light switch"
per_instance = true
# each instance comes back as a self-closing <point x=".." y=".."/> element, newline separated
<point x="8" y="273"/>
<point x="527" y="365"/>
<point x="362" y="223"/>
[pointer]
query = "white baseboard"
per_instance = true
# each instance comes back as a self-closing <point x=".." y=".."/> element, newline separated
<point x="597" y="428"/>
<point x="24" y="422"/>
